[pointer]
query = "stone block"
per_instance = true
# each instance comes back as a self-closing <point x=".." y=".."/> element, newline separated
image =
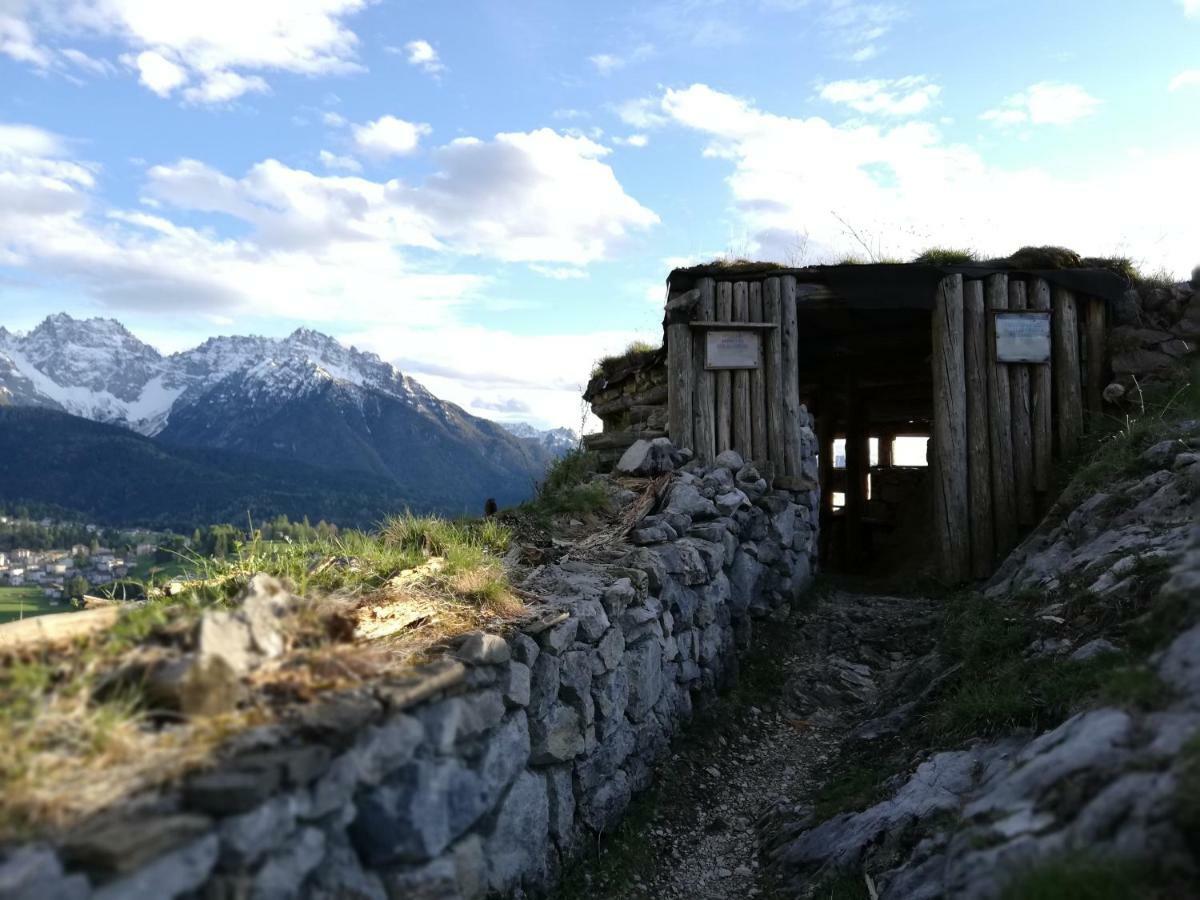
<point x="557" y="736"/>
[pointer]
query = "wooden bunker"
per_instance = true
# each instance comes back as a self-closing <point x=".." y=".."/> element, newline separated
<point x="994" y="365"/>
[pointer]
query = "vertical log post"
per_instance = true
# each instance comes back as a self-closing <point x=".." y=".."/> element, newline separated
<point x="1097" y="313"/>
<point x="680" y="387"/>
<point x="886" y="439"/>
<point x="1022" y="422"/>
<point x="724" y="377"/>
<point x="742" y="441"/>
<point x="773" y="313"/>
<point x="758" y="383"/>
<point x="1041" y="403"/>
<point x="951" y="523"/>
<point x="705" y="403"/>
<point x="979" y="465"/>
<point x="793" y="441"/>
<point x="826" y="422"/>
<point x="1004" y="504"/>
<point x="858" y="451"/>
<point x="1068" y="402"/>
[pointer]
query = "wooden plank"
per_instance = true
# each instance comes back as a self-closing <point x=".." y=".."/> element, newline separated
<point x="857" y="469"/>
<point x="1022" y="421"/>
<point x="793" y="442"/>
<point x="886" y="439"/>
<point x="825" y="420"/>
<point x="1097" y="314"/>
<point x="724" y="377"/>
<point x="1004" y="507"/>
<point x="1041" y="402"/>
<point x="772" y="312"/>
<point x="743" y="443"/>
<point x="704" y="407"/>
<point x="758" y="385"/>
<point x="733" y="326"/>
<point x="1068" y="401"/>
<point x="679" y="385"/>
<point x="951" y="517"/>
<point x="979" y="457"/>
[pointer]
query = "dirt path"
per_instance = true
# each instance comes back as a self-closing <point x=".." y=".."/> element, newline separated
<point x="807" y="682"/>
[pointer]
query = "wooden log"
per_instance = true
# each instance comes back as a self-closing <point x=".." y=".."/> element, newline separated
<point x="724" y="377"/>
<point x="772" y="312"/>
<point x="979" y="457"/>
<point x="1068" y="401"/>
<point x="857" y="471"/>
<point x="1004" y="506"/>
<point x="1097" y="314"/>
<point x="887" y="438"/>
<point x="1041" y="402"/>
<point x="793" y="441"/>
<point x="704" y="406"/>
<point x="825" y="421"/>
<point x="1022" y="422"/>
<point x="57" y="627"/>
<point x="743" y="442"/>
<point x="951" y="517"/>
<point x="679" y="385"/>
<point x="758" y="383"/>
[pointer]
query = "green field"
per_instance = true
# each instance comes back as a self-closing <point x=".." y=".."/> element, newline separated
<point x="18" y="602"/>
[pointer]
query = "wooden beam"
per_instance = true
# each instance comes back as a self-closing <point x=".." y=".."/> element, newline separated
<point x="886" y="436"/>
<point x="1041" y="402"/>
<point x="825" y="421"/>
<point x="1004" y="505"/>
<point x="705" y="405"/>
<point x="793" y="442"/>
<point x="758" y="384"/>
<point x="680" y="388"/>
<point x="1068" y="402"/>
<point x="1097" y="313"/>
<point x="951" y="518"/>
<point x="1022" y="422"/>
<point x="857" y="469"/>
<point x="979" y="457"/>
<point x="733" y="326"/>
<point x="742" y="441"/>
<point x="773" y="312"/>
<point x="724" y="377"/>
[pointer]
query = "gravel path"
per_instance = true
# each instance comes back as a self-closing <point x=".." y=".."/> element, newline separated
<point x="810" y="679"/>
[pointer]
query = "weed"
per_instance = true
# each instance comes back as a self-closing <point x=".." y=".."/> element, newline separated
<point x="1187" y="795"/>
<point x="946" y="256"/>
<point x="636" y="355"/>
<point x="568" y="488"/>
<point x="1086" y="877"/>
<point x="841" y="886"/>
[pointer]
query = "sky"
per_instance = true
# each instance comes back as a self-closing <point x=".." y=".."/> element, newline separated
<point x="491" y="195"/>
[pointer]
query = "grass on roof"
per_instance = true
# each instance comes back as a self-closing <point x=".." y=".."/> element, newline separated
<point x="75" y="744"/>
<point x="637" y="354"/>
<point x="946" y="256"/>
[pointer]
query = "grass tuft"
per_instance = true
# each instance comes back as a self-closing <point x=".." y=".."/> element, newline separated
<point x="946" y="256"/>
<point x="1086" y="877"/>
<point x="635" y="356"/>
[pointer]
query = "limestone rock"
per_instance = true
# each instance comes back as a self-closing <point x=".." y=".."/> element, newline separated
<point x="557" y="736"/>
<point x="482" y="649"/>
<point x="648" y="458"/>
<point x="513" y="847"/>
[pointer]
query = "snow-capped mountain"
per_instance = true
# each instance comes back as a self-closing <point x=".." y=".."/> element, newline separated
<point x="555" y="441"/>
<point x="304" y="397"/>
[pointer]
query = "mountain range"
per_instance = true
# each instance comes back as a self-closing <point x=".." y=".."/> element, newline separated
<point x="304" y="400"/>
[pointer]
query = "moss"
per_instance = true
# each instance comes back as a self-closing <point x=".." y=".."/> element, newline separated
<point x="1088" y="877"/>
<point x="1042" y="258"/>
<point x="946" y="256"/>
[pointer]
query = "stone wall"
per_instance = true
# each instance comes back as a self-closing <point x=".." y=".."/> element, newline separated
<point x="631" y="402"/>
<point x="1154" y="333"/>
<point x="485" y="771"/>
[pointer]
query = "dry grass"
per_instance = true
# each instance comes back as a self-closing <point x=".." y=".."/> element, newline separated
<point x="370" y="605"/>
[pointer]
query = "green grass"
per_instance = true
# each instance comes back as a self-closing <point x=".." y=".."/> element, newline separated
<point x="568" y="489"/>
<point x="149" y="569"/>
<point x="635" y="355"/>
<point x="946" y="256"/>
<point x="24" y="602"/>
<point x="1086" y="877"/>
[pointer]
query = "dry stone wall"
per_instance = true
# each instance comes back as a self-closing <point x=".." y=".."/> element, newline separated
<point x="483" y="773"/>
<point x="632" y="405"/>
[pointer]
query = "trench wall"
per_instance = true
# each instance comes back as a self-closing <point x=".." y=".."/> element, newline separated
<point x="487" y="771"/>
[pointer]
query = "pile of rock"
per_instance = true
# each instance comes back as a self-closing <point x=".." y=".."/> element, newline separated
<point x="631" y="402"/>
<point x="1154" y="333"/>
<point x="482" y="772"/>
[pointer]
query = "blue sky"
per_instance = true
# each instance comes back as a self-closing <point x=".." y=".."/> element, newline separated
<point x="491" y="194"/>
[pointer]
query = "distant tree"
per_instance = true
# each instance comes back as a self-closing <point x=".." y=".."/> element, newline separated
<point x="76" y="586"/>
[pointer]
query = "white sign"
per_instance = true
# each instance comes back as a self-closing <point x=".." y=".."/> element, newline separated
<point x="1023" y="337"/>
<point x="731" y="350"/>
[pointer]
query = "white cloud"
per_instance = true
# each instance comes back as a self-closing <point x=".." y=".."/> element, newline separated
<point x="333" y="120"/>
<point x="890" y="97"/>
<point x="333" y="162"/>
<point x="634" y="140"/>
<point x="88" y="63"/>
<point x="904" y="188"/>
<point x="1191" y="8"/>
<point x="1044" y="103"/>
<point x="858" y="27"/>
<point x="218" y="44"/>
<point x="1188" y="78"/>
<point x="606" y="63"/>
<point x="421" y="54"/>
<point x="158" y="73"/>
<point x="559" y="273"/>
<point x="389" y="136"/>
<point x="644" y="112"/>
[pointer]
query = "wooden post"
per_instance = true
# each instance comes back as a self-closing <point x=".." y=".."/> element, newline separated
<point x="885" y="449"/>
<point x="979" y="465"/>
<point x="1096" y="351"/>
<point x="742" y="441"/>
<point x="774" y="346"/>
<point x="950" y="432"/>
<point x="1041" y="403"/>
<point x="857" y="459"/>
<point x="758" y="383"/>
<point x="1004" y="504"/>
<point x="793" y="442"/>
<point x="705" y="404"/>
<point x="679" y="385"/>
<point x="1068" y="402"/>
<point x="1022" y="422"/>
<point x="724" y="377"/>
<point x="826" y="422"/>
